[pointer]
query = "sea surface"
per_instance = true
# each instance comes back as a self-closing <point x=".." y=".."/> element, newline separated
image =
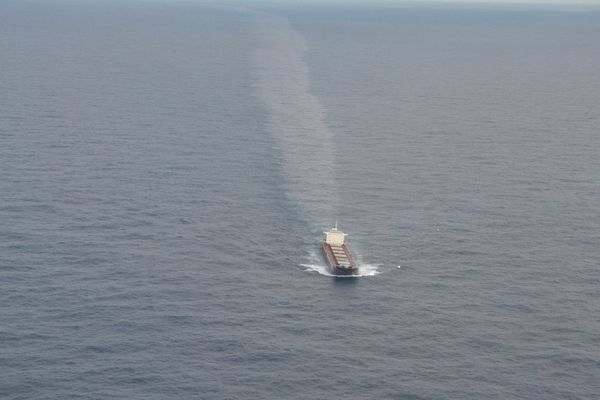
<point x="167" y="170"/>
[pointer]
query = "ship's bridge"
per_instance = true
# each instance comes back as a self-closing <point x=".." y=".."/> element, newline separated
<point x="335" y="237"/>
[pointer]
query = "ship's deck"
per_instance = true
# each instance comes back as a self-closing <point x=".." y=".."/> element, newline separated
<point x="339" y="256"/>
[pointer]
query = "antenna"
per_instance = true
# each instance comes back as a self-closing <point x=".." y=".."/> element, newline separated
<point x="336" y="225"/>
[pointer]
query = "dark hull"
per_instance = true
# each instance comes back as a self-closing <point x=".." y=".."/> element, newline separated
<point x="335" y="266"/>
<point x="344" y="270"/>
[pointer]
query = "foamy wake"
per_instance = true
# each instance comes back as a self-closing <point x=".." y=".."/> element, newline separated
<point x="363" y="270"/>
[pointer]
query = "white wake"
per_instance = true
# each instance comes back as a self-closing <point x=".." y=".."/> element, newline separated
<point x="363" y="270"/>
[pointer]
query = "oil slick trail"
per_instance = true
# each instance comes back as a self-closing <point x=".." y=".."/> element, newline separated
<point x="296" y="118"/>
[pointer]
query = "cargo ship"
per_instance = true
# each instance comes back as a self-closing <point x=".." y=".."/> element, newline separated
<point x="337" y="254"/>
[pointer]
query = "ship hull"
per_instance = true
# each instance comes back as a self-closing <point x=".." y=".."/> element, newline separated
<point x="343" y="271"/>
<point x="338" y="267"/>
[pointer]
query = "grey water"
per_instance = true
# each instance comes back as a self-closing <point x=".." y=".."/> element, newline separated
<point x="166" y="170"/>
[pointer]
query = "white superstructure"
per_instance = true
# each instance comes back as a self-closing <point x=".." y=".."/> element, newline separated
<point x="335" y="237"/>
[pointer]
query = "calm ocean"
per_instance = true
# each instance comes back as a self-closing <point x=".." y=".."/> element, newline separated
<point x="167" y="168"/>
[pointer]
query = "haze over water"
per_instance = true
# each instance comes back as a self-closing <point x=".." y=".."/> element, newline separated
<point x="166" y="170"/>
